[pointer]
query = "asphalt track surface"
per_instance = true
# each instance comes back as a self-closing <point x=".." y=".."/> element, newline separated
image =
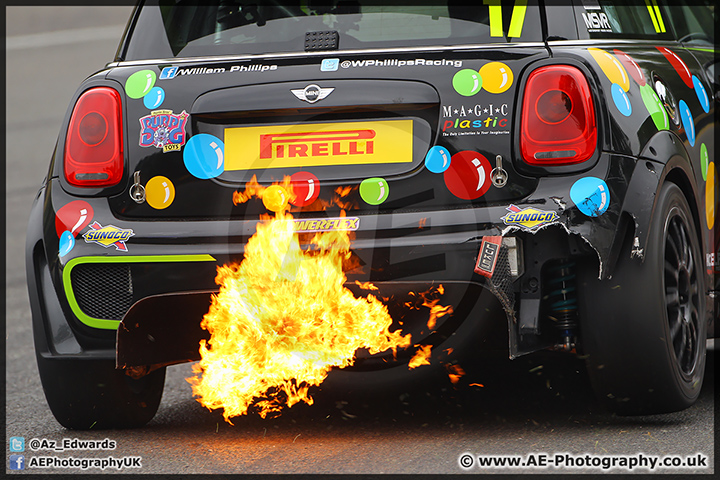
<point x="534" y="408"/>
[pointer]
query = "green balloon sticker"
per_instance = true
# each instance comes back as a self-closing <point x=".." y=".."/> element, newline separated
<point x="374" y="190"/>
<point x="704" y="160"/>
<point x="467" y="82"/>
<point x="140" y="83"/>
<point x="654" y="107"/>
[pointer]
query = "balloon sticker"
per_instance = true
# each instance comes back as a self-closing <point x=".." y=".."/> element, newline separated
<point x="140" y="83"/>
<point x="496" y="77"/>
<point x="591" y="196"/>
<point x="160" y="192"/>
<point x="678" y="65"/>
<point x="631" y="67"/>
<point x="204" y="156"/>
<point x="374" y="191"/>
<point x="687" y="121"/>
<point x="655" y="107"/>
<point x="67" y="242"/>
<point x="704" y="159"/>
<point x="622" y="102"/>
<point x="306" y="188"/>
<point x="701" y="94"/>
<point x="467" y="82"/>
<point x="468" y="176"/>
<point x="73" y="217"/>
<point x="154" y="98"/>
<point x="275" y="198"/>
<point x="611" y="67"/>
<point x="437" y="159"/>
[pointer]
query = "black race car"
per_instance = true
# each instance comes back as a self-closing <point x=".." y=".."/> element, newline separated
<point x="550" y="166"/>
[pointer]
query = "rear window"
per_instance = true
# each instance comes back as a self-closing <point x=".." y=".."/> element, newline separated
<point x="178" y="28"/>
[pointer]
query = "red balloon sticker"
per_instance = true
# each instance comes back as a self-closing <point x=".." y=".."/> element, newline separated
<point x="73" y="217"/>
<point x="678" y="65"/>
<point x="631" y="66"/>
<point x="306" y="188"/>
<point x="468" y="176"/>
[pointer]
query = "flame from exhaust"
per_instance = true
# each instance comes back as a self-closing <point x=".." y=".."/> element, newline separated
<point x="281" y="320"/>
<point x="421" y="357"/>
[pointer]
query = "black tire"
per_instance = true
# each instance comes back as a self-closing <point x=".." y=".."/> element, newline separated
<point x="92" y="394"/>
<point x="644" y="330"/>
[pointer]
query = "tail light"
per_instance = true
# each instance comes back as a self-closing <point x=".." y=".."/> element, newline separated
<point x="558" y="120"/>
<point x="94" y="143"/>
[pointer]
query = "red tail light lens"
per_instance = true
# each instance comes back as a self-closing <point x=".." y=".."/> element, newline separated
<point x="94" y="143"/>
<point x="558" y="120"/>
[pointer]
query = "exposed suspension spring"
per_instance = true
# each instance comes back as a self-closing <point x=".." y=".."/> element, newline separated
<point x="562" y="302"/>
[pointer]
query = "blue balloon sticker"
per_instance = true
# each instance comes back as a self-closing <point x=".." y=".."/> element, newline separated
<point x="591" y="196"/>
<point x="622" y="102"/>
<point x="204" y="156"/>
<point x="437" y="159"/>
<point x="687" y="121"/>
<point x="701" y="94"/>
<point x="154" y="98"/>
<point x="67" y="242"/>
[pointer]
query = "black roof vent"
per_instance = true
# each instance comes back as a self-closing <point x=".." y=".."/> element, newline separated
<point x="326" y="40"/>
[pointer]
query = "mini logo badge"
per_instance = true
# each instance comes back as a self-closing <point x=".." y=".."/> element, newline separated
<point x="329" y="64"/>
<point x="108" y="236"/>
<point x="312" y="93"/>
<point x="528" y="218"/>
<point x="167" y="73"/>
<point x="163" y="129"/>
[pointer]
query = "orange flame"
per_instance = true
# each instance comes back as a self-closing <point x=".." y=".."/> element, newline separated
<point x="421" y="357"/>
<point x="281" y="320"/>
<point x="455" y="372"/>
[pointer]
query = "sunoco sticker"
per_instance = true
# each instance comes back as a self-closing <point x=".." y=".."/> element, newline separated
<point x="528" y="218"/>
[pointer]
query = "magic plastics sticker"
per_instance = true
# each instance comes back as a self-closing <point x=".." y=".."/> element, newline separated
<point x="163" y="129"/>
<point x="530" y="219"/>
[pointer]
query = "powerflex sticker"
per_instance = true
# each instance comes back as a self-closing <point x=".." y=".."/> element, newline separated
<point x="611" y="67"/>
<point x="327" y="224"/>
<point x="139" y="83"/>
<point x="678" y="65"/>
<point x="73" y="217"/>
<point x="496" y="77"/>
<point x="687" y="121"/>
<point x="437" y="159"/>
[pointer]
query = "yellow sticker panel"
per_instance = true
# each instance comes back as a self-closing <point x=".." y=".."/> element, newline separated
<point x="318" y="144"/>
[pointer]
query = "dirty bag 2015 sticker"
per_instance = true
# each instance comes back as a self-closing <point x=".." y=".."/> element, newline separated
<point x="163" y="129"/>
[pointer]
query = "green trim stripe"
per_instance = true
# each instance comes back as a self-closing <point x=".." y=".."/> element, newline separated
<point x="659" y="16"/>
<point x="113" y="324"/>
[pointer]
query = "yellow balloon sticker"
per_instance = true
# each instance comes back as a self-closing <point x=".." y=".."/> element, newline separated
<point x="710" y="195"/>
<point x="611" y="67"/>
<point x="496" y="77"/>
<point x="275" y="198"/>
<point x="160" y="192"/>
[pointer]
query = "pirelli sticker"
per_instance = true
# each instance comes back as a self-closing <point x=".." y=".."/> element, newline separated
<point x="318" y="144"/>
<point x="327" y="224"/>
